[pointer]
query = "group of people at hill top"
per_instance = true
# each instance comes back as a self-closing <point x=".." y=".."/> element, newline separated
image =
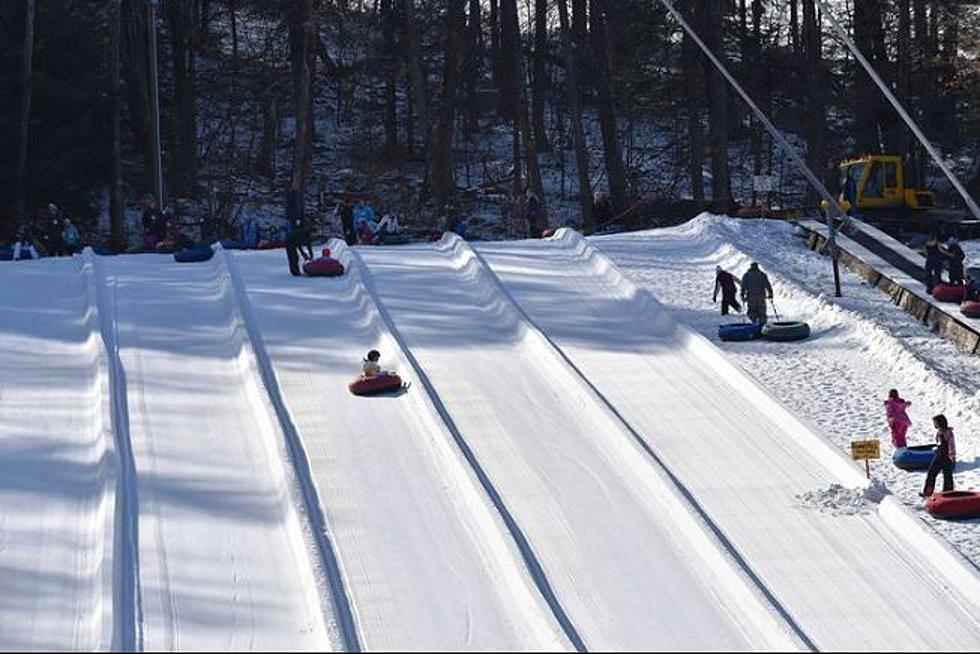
<point x="944" y="457"/>
<point x="943" y="254"/>
<point x="59" y="236"/>
<point x="756" y="290"/>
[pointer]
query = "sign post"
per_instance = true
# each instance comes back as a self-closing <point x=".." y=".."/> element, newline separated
<point x="866" y="450"/>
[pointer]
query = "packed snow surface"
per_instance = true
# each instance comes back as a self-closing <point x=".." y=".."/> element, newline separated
<point x="571" y="466"/>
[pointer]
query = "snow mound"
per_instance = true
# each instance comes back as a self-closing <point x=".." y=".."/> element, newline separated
<point x="839" y="500"/>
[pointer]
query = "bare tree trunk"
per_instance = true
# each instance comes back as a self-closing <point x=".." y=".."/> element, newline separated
<point x="540" y="80"/>
<point x="721" y="190"/>
<point x="441" y="168"/>
<point x="420" y="91"/>
<point x="578" y="135"/>
<point x="117" y="225"/>
<point x="815" y="113"/>
<point x="388" y="19"/>
<point x="136" y="63"/>
<point x="495" y="43"/>
<point x="300" y="47"/>
<point x="183" y="16"/>
<point x="694" y="74"/>
<point x="472" y="67"/>
<point x="27" y="91"/>
<point x="794" y="25"/>
<point x="615" y="171"/>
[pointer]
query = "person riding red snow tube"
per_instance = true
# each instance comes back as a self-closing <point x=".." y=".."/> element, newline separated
<point x="949" y="292"/>
<point x="386" y="382"/>
<point x="325" y="266"/>
<point x="954" y="505"/>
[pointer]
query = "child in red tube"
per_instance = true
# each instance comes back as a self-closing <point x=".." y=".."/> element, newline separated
<point x="898" y="419"/>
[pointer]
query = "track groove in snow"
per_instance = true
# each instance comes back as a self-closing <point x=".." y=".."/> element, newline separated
<point x="577" y="486"/>
<point x="127" y="601"/>
<point x="337" y="604"/>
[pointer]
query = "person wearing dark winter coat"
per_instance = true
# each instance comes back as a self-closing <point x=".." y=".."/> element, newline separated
<point x="298" y="235"/>
<point x="728" y="285"/>
<point x="755" y="291"/>
<point x="532" y="212"/>
<point x="52" y="232"/>
<point x="955" y="257"/>
<point x="154" y="224"/>
<point x="944" y="458"/>
<point x="934" y="262"/>
<point x="346" y="213"/>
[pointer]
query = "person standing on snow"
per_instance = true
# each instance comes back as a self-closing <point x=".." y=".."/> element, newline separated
<point x="755" y="291"/>
<point x="346" y="214"/>
<point x="955" y="256"/>
<point x="297" y="243"/>
<point x="898" y="419"/>
<point x="24" y="245"/>
<point x="52" y="235"/>
<point x="934" y="262"/>
<point x="71" y="238"/>
<point x="728" y="284"/>
<point x="944" y="459"/>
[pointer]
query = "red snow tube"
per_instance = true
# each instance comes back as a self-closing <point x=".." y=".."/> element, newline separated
<point x="970" y="308"/>
<point x="376" y="385"/>
<point x="270" y="244"/>
<point x="948" y="292"/>
<point x="954" y="505"/>
<point x="324" y="267"/>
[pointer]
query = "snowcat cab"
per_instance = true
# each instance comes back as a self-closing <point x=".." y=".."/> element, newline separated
<point x="878" y="184"/>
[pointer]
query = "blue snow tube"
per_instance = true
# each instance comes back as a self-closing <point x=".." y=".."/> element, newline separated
<point x="6" y="253"/>
<point x="232" y="244"/>
<point x="190" y="255"/>
<point x="740" y="331"/>
<point x="103" y="252"/>
<point x="914" y="457"/>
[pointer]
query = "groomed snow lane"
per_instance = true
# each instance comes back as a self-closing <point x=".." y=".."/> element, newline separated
<point x="850" y="581"/>
<point x="427" y="564"/>
<point x="596" y="512"/>
<point x="57" y="463"/>
<point x="224" y="561"/>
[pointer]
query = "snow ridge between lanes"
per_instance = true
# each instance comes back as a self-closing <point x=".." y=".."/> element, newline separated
<point x="126" y="609"/>
<point x="334" y="599"/>
<point x="527" y="553"/>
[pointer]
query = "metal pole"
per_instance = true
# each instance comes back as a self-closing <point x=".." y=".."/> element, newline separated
<point x="834" y="209"/>
<point x="155" y="104"/>
<point x="967" y="198"/>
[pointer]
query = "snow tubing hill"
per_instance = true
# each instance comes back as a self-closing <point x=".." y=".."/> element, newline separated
<point x="740" y="331"/>
<point x="324" y="267"/>
<point x="954" y="505"/>
<point x="914" y="457"/>
<point x="192" y="255"/>
<point x="376" y="385"/>
<point x="970" y="308"/>
<point x="785" y="331"/>
<point x="948" y="292"/>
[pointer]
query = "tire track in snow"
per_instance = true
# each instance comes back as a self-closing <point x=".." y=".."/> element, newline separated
<point x="527" y="553"/>
<point x="127" y="597"/>
<point x="339" y="596"/>
<point x="732" y="551"/>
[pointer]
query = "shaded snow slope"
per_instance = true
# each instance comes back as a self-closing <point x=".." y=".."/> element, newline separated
<point x="862" y="344"/>
<point x="743" y="457"/>
<point x="224" y="563"/>
<point x="427" y="564"/>
<point x="57" y="462"/>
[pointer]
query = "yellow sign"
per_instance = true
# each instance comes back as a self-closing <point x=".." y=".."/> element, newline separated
<point x="864" y="450"/>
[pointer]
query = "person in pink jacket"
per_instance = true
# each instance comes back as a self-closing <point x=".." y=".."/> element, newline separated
<point x="898" y="420"/>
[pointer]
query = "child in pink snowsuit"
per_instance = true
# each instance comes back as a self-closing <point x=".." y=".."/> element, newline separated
<point x="898" y="420"/>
